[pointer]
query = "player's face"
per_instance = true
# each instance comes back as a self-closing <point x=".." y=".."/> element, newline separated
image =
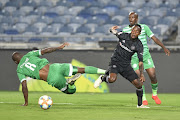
<point x="135" y="32"/>
<point x="133" y="19"/>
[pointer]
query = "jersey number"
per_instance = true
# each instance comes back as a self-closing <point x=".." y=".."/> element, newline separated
<point x="30" y="66"/>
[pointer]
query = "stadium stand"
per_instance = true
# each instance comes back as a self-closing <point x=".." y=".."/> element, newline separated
<point x="40" y="18"/>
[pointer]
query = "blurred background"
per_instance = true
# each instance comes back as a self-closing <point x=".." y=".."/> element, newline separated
<point x="36" y="24"/>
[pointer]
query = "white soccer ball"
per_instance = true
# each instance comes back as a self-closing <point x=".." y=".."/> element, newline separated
<point x="45" y="102"/>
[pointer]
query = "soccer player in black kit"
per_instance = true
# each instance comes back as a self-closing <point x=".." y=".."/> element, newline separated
<point x="120" y="61"/>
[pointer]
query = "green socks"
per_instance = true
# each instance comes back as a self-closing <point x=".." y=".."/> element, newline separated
<point x="144" y="95"/>
<point x="94" y="70"/>
<point x="154" y="88"/>
<point x="71" y="86"/>
<point x="90" y="70"/>
<point x="71" y="89"/>
<point x="75" y="70"/>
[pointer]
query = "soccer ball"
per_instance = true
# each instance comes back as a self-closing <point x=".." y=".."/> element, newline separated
<point x="45" y="102"/>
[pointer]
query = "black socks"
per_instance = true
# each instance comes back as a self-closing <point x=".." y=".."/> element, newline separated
<point x="139" y="93"/>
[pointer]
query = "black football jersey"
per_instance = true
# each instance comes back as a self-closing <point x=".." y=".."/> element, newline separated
<point x="125" y="48"/>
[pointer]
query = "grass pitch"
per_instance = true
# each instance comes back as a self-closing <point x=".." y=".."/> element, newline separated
<point x="88" y="106"/>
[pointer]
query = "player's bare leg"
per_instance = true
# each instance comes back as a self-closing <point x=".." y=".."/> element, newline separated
<point x="154" y="84"/>
<point x="88" y="69"/>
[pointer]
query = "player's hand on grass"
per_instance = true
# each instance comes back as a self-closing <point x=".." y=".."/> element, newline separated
<point x="167" y="51"/>
<point x="64" y="45"/>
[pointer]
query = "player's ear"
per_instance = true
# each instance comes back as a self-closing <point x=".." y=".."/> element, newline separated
<point x="137" y="19"/>
<point x="16" y="62"/>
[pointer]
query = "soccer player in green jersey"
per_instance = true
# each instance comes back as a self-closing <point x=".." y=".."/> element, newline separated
<point x="147" y="59"/>
<point x="30" y="65"/>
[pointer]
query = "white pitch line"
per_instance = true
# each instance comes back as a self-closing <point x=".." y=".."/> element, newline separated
<point x="9" y="102"/>
<point x="84" y="104"/>
<point x="20" y="103"/>
<point x="153" y="106"/>
<point x="63" y="103"/>
<point x="97" y="104"/>
<point x="164" y="106"/>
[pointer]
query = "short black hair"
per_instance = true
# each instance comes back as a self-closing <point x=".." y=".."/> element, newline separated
<point x="14" y="55"/>
<point x="138" y="26"/>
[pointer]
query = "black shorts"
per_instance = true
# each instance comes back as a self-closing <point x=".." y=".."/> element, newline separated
<point x="127" y="72"/>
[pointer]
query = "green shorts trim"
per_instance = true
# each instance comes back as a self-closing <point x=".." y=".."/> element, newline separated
<point x="57" y="74"/>
<point x="147" y="62"/>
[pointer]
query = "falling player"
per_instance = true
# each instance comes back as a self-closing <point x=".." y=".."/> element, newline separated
<point x="30" y="65"/>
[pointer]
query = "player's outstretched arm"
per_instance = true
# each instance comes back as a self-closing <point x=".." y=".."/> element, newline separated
<point x="158" y="42"/>
<point x="52" y="49"/>
<point x="141" y="68"/>
<point x="25" y="92"/>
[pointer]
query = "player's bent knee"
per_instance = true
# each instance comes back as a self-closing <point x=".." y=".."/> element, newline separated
<point x="153" y="78"/>
<point x="137" y="84"/>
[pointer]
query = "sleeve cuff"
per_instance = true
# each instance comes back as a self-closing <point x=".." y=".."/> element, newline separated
<point x="70" y="69"/>
<point x="119" y="33"/>
<point x="23" y="80"/>
<point x="151" y="35"/>
<point x="40" y="53"/>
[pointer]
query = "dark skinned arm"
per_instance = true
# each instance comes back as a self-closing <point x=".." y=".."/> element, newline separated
<point x="158" y="42"/>
<point x="52" y="49"/>
<point x="113" y="29"/>
<point x="25" y="92"/>
<point x="141" y="68"/>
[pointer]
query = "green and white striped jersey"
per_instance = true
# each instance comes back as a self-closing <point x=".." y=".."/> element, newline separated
<point x="143" y="37"/>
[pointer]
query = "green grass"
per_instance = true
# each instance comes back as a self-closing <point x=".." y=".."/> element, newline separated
<point x="88" y="106"/>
